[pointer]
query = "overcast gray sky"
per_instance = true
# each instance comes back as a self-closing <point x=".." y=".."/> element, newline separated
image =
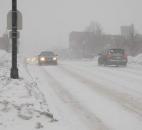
<point x="47" y="23"/>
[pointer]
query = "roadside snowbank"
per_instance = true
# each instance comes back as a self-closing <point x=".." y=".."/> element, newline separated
<point x="22" y="105"/>
<point x="137" y="59"/>
<point x="2" y="53"/>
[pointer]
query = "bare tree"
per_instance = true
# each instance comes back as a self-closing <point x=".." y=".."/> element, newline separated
<point x="95" y="28"/>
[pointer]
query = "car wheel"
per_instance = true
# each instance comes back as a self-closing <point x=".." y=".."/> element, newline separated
<point x="105" y="63"/>
<point x="125" y="65"/>
<point x="100" y="62"/>
<point x="56" y="63"/>
<point x="40" y="64"/>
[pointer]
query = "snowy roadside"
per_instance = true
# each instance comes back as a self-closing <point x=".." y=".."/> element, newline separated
<point x="135" y="60"/>
<point x="22" y="105"/>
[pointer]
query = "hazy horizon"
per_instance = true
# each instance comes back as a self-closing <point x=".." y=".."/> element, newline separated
<point x="47" y="24"/>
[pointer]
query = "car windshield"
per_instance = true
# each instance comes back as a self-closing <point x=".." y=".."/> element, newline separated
<point x="47" y="53"/>
<point x="120" y="51"/>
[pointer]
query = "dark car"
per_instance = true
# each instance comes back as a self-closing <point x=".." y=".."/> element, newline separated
<point x="47" y="57"/>
<point x="113" y="57"/>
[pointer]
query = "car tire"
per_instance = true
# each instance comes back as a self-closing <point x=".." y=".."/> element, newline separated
<point x="105" y="63"/>
<point x="100" y="62"/>
<point x="125" y="65"/>
<point x="56" y="63"/>
<point x="40" y="64"/>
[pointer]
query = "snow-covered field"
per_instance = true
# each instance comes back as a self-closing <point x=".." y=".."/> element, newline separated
<point x="75" y="95"/>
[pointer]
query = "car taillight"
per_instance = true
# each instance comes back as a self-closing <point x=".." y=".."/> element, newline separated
<point x="125" y="56"/>
<point x="109" y="55"/>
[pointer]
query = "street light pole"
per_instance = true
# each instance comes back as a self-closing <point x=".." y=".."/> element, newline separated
<point x="14" y="69"/>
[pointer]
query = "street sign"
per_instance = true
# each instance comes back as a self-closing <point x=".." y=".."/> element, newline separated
<point x="19" y="20"/>
<point x="14" y="34"/>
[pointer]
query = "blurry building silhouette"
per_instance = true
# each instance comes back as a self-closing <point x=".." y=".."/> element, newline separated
<point x="87" y="44"/>
<point x="127" y="31"/>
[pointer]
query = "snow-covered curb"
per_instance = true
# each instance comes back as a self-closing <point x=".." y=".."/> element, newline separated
<point x="21" y="101"/>
<point x="137" y="59"/>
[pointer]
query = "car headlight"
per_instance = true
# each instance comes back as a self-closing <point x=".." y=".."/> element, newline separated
<point x="54" y="58"/>
<point x="42" y="58"/>
<point x="33" y="59"/>
<point x="28" y="59"/>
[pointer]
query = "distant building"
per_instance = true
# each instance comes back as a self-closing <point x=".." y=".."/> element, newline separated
<point x="87" y="44"/>
<point x="127" y="31"/>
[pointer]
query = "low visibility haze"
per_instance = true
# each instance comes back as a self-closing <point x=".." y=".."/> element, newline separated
<point x="77" y="65"/>
<point x="47" y="23"/>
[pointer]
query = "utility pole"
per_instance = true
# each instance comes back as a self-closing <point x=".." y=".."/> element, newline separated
<point x="14" y="70"/>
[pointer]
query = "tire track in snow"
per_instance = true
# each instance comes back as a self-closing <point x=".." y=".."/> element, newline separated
<point x="121" y="73"/>
<point x="124" y="100"/>
<point x="121" y="77"/>
<point x="92" y="122"/>
<point x="131" y="70"/>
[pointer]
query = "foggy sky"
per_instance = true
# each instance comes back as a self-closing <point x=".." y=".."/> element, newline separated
<point x="47" y="23"/>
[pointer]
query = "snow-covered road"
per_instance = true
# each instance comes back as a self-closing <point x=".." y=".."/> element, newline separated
<point x="84" y="96"/>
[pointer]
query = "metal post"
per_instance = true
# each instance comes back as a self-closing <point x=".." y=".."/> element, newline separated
<point x="14" y="69"/>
